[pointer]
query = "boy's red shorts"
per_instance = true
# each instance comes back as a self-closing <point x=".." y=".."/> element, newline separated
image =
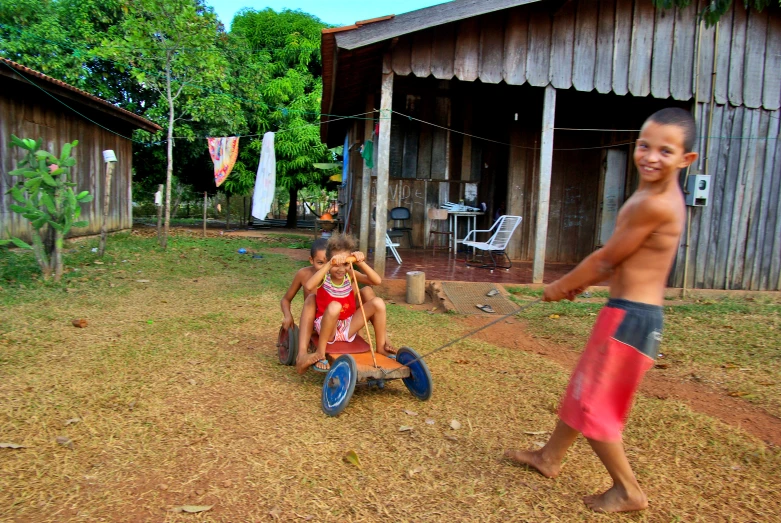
<point x="621" y="349"/>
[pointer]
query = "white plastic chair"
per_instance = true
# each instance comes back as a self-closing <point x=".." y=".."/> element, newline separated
<point x="392" y="247"/>
<point x="502" y="231"/>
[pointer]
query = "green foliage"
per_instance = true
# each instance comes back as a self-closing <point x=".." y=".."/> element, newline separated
<point x="44" y="196"/>
<point x="714" y="10"/>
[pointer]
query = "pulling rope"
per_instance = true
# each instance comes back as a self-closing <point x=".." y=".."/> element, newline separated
<point x="448" y="344"/>
<point x="363" y="312"/>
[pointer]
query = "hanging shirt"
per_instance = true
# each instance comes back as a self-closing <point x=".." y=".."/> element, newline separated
<point x="368" y="153"/>
<point x="224" y="151"/>
<point x="328" y="292"/>
<point x="265" y="181"/>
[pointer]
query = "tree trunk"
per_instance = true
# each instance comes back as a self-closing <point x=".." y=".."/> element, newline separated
<point x="170" y="169"/>
<point x="204" y="214"/>
<point x="292" y="208"/>
<point x="40" y="251"/>
<point x="227" y="211"/>
<point x="160" y="216"/>
<point x="106" y="201"/>
<point x="57" y="255"/>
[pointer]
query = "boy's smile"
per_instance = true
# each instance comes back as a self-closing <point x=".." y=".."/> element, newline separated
<point x="659" y="152"/>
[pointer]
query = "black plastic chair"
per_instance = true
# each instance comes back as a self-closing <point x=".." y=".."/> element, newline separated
<point x="400" y="214"/>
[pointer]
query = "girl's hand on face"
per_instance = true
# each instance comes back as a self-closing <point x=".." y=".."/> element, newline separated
<point x="359" y="256"/>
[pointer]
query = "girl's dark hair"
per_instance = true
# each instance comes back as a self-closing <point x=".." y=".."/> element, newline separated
<point x="320" y="244"/>
<point x="340" y="243"/>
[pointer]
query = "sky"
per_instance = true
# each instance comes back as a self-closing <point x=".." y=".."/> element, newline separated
<point x="334" y="12"/>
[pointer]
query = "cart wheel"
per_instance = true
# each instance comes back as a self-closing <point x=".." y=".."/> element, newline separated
<point x="339" y="385"/>
<point x="419" y="382"/>
<point x="287" y="345"/>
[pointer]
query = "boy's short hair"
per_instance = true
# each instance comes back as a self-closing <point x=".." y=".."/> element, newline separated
<point x="320" y="244"/>
<point x="339" y="243"/>
<point x="679" y="118"/>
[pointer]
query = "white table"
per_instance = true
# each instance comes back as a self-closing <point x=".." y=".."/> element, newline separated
<point x="471" y="224"/>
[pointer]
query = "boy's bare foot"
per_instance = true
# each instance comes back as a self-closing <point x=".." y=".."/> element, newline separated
<point x="302" y="364"/>
<point x="535" y="460"/>
<point x="617" y="499"/>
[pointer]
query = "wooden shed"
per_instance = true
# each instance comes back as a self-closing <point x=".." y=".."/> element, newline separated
<point x="33" y="105"/>
<point x="537" y="104"/>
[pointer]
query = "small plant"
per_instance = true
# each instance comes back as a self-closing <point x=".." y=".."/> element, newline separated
<point x="45" y="197"/>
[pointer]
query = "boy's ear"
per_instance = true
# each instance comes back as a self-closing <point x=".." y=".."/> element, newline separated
<point x="689" y="159"/>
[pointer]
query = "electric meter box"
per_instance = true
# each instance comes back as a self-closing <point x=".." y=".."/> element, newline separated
<point x="698" y="190"/>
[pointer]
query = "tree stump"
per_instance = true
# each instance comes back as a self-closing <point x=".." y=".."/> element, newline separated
<point x="416" y="287"/>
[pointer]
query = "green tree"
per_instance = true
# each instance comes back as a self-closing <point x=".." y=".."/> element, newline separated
<point x="45" y="197"/>
<point x="280" y="83"/>
<point x="716" y="8"/>
<point x="178" y="38"/>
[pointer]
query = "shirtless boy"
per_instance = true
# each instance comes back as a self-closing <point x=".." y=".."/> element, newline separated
<point x="625" y="340"/>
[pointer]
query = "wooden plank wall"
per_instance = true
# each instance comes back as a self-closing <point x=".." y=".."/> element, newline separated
<point x="736" y="240"/>
<point x="623" y="46"/>
<point x="27" y="117"/>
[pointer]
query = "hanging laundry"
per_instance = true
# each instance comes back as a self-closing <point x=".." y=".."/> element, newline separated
<point x="224" y="152"/>
<point x="346" y="160"/>
<point x="265" y="181"/>
<point x="367" y="153"/>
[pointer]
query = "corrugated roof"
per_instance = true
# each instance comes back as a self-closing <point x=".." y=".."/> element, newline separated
<point x="138" y="121"/>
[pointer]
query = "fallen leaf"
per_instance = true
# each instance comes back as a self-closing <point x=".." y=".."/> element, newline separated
<point x="162" y="486"/>
<point x="429" y="421"/>
<point x="410" y="412"/>
<point x="233" y="342"/>
<point x="540" y="443"/>
<point x="79" y="323"/>
<point x="192" y="382"/>
<point x="535" y="432"/>
<point x="96" y="262"/>
<point x="554" y="316"/>
<point x="11" y="446"/>
<point x="142" y="281"/>
<point x="274" y="513"/>
<point x="662" y="365"/>
<point x="451" y="438"/>
<point x="227" y="483"/>
<point x="416" y="470"/>
<point x="72" y="421"/>
<point x="738" y="393"/>
<point x="192" y="509"/>
<point x="455" y="424"/>
<point x="352" y="458"/>
<point x="65" y="441"/>
<point x="405" y="428"/>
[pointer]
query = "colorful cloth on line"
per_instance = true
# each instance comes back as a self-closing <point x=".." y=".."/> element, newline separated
<point x="367" y="152"/>
<point x="265" y="181"/>
<point x="224" y="151"/>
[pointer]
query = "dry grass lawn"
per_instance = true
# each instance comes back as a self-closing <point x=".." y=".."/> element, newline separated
<point x="172" y="395"/>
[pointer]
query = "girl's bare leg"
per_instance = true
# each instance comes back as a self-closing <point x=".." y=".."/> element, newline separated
<point x="375" y="313"/>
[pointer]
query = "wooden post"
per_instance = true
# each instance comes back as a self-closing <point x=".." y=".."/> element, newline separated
<point x="416" y="287"/>
<point x="159" y="205"/>
<point x="366" y="181"/>
<point x="110" y="165"/>
<point x="204" y="214"/>
<point x="546" y="164"/>
<point x="383" y="167"/>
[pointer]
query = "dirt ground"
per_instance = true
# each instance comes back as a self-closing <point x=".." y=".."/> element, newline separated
<point x="659" y="383"/>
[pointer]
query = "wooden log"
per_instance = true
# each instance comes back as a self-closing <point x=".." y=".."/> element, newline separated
<point x="492" y="48"/>
<point x="737" y="52"/>
<point x="515" y="42"/>
<point x="538" y="56"/>
<point x="366" y="182"/>
<point x="663" y="53"/>
<point x="546" y="163"/>
<point x="421" y="53"/>
<point x="443" y="51"/>
<point x="585" y="57"/>
<point x="467" y="53"/>
<point x="622" y="46"/>
<point x="771" y="89"/>
<point x="753" y="71"/>
<point x="723" y="44"/>
<point x="416" y="287"/>
<point x="603" y="70"/>
<point x="642" y="42"/>
<point x="383" y="171"/>
<point x="684" y="52"/>
<point x="561" y="47"/>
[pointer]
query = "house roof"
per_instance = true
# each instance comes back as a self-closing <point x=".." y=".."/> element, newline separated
<point x="64" y="90"/>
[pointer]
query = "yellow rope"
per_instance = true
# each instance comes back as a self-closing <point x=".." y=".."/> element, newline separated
<point x="363" y="312"/>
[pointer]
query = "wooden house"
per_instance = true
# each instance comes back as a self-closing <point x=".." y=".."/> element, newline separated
<point x="537" y="103"/>
<point x="33" y="105"/>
